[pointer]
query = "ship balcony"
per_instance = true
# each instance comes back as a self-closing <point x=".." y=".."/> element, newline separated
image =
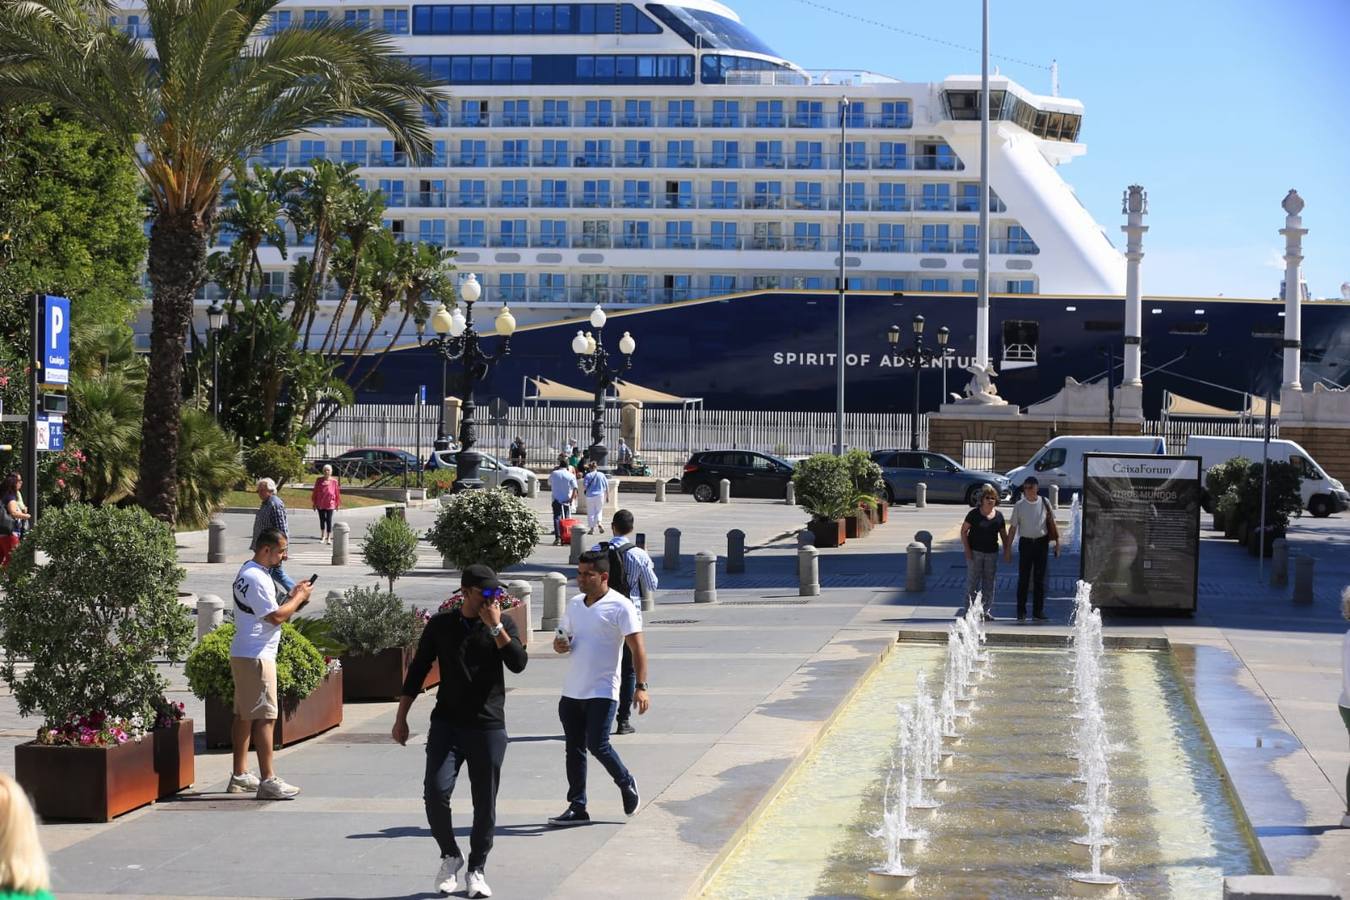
<point x="706" y="240"/>
<point x="684" y="200"/>
<point x="780" y="121"/>
<point x="482" y="159"/>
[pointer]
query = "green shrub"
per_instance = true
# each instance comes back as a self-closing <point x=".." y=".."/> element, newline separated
<point x="824" y="487"/>
<point x="439" y="481"/>
<point x="300" y="667"/>
<point x="93" y="622"/>
<point x="1283" y="494"/>
<point x="208" y="467"/>
<point x="868" y="483"/>
<point x="390" y="548"/>
<point x="368" y="620"/>
<point x="1222" y="476"/>
<point x="279" y="462"/>
<point x="316" y="630"/>
<point x="487" y="526"/>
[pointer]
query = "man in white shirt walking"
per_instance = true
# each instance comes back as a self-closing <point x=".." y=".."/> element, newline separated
<point x="563" y="485"/>
<point x="596" y="485"/>
<point x="253" y="663"/>
<point x="1034" y="523"/>
<point x="597" y="622"/>
<point x="638" y="572"/>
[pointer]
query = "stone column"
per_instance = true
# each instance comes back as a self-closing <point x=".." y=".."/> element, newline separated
<point x="1135" y="207"/>
<point x="630" y="423"/>
<point x="1293" y="232"/>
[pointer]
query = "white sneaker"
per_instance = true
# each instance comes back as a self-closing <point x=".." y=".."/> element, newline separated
<point x="445" y="878"/>
<point x="276" y="789"/>
<point x="242" y="784"/>
<point x="476" y="885"/>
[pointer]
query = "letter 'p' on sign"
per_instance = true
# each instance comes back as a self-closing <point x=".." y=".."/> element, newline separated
<point x="55" y="340"/>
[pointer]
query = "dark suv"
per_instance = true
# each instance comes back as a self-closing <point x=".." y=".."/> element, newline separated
<point x="370" y="462"/>
<point x="751" y="474"/>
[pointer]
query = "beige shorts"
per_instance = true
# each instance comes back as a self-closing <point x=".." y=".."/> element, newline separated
<point x="255" y="687"/>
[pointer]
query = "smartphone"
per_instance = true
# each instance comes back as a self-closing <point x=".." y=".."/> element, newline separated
<point x="313" y="578"/>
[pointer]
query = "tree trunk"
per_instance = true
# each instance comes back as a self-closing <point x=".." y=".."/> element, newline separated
<point x="177" y="266"/>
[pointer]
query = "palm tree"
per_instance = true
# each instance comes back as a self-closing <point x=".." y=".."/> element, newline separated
<point x="187" y="109"/>
<point x="319" y="208"/>
<point x="365" y="217"/>
<point x="252" y="213"/>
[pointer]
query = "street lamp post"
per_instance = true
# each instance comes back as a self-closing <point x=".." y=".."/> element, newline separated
<point x="594" y="361"/>
<point x="916" y="357"/>
<point x="215" y="317"/>
<point x="457" y="339"/>
<point x="944" y="335"/>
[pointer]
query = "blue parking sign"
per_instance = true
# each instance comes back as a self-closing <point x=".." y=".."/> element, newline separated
<point x="55" y="340"/>
<point x="56" y="435"/>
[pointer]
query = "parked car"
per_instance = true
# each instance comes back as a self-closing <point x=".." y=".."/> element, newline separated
<point x="371" y="462"/>
<point x="947" y="480"/>
<point x="751" y="474"/>
<point x="492" y="470"/>
<point x="1322" y="494"/>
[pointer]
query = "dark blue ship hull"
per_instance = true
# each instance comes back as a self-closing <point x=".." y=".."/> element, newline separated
<point x="774" y="350"/>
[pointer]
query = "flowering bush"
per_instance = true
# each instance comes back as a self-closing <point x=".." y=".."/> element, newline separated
<point x="456" y="600"/>
<point x="97" y="729"/>
<point x="61" y="476"/>
<point x="168" y="713"/>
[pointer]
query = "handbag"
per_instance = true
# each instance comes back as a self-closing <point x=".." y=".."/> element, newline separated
<point x="1051" y="529"/>
<point x="7" y="523"/>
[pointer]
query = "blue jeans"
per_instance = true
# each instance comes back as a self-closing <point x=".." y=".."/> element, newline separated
<point x="280" y="577"/>
<point x="627" y="684"/>
<point x="448" y="748"/>
<point x="586" y="726"/>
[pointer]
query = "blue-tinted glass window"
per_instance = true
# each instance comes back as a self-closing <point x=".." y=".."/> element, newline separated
<point x="421" y="19"/>
<point x="552" y="233"/>
<point x="472" y="233"/>
<point x="725" y="195"/>
<point x="637" y="112"/>
<point x="563" y="19"/>
<point x="935" y="239"/>
<point x="393" y="191"/>
<point x="515" y="192"/>
<point x="461" y="19"/>
<point x="768" y="113"/>
<point x="395" y="21"/>
<point x="637" y="194"/>
<point x="553" y="192"/>
<point x="1021" y="286"/>
<point x="315" y="17"/>
<point x="970" y="239"/>
<point x="855" y="115"/>
<point x="934" y="284"/>
<point x="855" y="196"/>
<point x="722" y="284"/>
<point x="604" y="68"/>
<point x="895" y="114"/>
<point x="806" y="236"/>
<point x="511" y="287"/>
<point x="354" y="152"/>
<point x="636" y="235"/>
<point x="969" y="285"/>
<point x="359" y="18"/>
<point x="543" y="18"/>
<point x="723" y="236"/>
<point x="556" y="113"/>
<point x="472" y="192"/>
<point x="595" y="193"/>
<point x="807" y="195"/>
<point x="524" y="19"/>
<point x="513" y="233"/>
<point x="431" y="231"/>
<point x="891" y="237"/>
<point x="310" y="149"/>
<point x="726" y="113"/>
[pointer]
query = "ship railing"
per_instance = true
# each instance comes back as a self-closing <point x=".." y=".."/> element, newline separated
<point x="698" y="118"/>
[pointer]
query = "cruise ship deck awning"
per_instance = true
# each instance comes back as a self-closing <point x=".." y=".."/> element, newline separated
<point x="547" y="390"/>
<point x="630" y="391"/>
<point x="1177" y="405"/>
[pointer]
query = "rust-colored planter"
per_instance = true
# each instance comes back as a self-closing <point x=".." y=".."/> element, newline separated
<point x="307" y="717"/>
<point x="883" y="511"/>
<point x="828" y="532"/>
<point x="379" y="676"/>
<point x="175" y="758"/>
<point x="90" y="784"/>
<point x="857" y="525"/>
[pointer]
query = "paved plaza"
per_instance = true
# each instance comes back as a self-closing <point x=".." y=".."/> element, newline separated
<point x="740" y="690"/>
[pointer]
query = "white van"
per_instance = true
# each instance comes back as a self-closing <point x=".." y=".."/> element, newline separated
<point x="1322" y="494"/>
<point x="1061" y="460"/>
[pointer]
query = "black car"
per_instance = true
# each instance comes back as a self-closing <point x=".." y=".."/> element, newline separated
<point x="370" y="462"/>
<point x="751" y="474"/>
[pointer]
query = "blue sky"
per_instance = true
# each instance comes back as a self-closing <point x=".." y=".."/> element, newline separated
<point x="1217" y="107"/>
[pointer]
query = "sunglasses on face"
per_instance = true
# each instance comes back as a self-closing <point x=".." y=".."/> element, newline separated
<point x="493" y="593"/>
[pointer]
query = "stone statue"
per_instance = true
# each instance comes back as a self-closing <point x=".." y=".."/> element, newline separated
<point x="980" y="389"/>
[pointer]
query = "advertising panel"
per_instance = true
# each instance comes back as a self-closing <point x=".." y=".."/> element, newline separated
<point x="1141" y="531"/>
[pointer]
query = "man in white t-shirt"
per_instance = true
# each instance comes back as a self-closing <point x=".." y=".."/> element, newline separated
<point x="596" y="486"/>
<point x="253" y="663"/>
<point x="597" y="624"/>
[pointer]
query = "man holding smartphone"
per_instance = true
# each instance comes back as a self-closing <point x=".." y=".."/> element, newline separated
<point x="473" y="645"/>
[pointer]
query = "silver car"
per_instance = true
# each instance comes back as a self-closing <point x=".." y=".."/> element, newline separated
<point x="493" y="471"/>
<point x="947" y="480"/>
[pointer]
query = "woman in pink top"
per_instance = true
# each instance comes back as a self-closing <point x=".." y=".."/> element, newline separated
<point x="326" y="498"/>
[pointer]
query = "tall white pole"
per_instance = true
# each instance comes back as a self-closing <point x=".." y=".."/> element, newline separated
<point x="982" y="304"/>
<point x="1135" y="207"/>
<point x="840" y="367"/>
<point x="1293" y="232"/>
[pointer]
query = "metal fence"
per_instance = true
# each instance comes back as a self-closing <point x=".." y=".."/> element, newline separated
<point x="1175" y="429"/>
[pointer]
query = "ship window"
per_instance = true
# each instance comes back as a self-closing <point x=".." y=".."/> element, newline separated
<point x="709" y="30"/>
<point x="1191" y="328"/>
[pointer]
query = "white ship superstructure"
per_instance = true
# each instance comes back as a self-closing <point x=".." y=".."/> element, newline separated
<point x="641" y="153"/>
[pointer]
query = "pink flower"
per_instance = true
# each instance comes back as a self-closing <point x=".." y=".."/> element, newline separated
<point x="86" y="737"/>
<point x="60" y="482"/>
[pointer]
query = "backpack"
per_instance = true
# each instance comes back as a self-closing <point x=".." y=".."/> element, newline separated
<point x="618" y="570"/>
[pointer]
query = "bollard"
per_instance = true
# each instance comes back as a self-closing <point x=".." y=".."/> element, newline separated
<point x="914" y="555"/>
<point x="578" y="544"/>
<point x="808" y="572"/>
<point x="215" y="542"/>
<point x="522" y="591"/>
<point x="340" y="532"/>
<point x="724" y="491"/>
<point x="1054" y="497"/>
<point x="1279" y="563"/>
<point x="210" y="613"/>
<point x="648" y="598"/>
<point x="1303" y="579"/>
<point x="532" y="489"/>
<point x="555" y="599"/>
<point x="396" y="511"/>
<point x="612" y="492"/>
<point x="705" y="577"/>
<point x="920" y="495"/>
<point x="735" y="551"/>
<point x="791" y="499"/>
<point x="926" y="538"/>
<point x="670" y="562"/>
<point x="660" y="492"/>
<point x="806" y="538"/>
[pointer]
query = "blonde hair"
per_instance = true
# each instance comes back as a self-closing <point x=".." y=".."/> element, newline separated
<point x="23" y="864"/>
<point x="988" y="491"/>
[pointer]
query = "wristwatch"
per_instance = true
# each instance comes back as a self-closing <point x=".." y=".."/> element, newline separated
<point x="640" y="686"/>
<point x="496" y="629"/>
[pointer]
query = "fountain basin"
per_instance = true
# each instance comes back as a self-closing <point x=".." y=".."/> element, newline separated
<point x="922" y="811"/>
<point x="880" y="881"/>
<point x="1086" y="884"/>
<point x="1082" y="848"/>
<point x="951" y="740"/>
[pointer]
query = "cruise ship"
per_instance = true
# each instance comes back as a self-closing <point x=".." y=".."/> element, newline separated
<point x="646" y="153"/>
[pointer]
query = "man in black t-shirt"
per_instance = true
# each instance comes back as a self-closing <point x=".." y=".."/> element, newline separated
<point x="473" y="644"/>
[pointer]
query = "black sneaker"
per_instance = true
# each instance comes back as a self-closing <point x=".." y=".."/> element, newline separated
<point x="1042" y="618"/>
<point x="575" y="815"/>
<point x="631" y="800"/>
<point x="624" y="727"/>
<point x="1021" y="617"/>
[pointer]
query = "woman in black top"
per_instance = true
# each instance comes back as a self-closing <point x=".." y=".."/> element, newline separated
<point x="980" y="534"/>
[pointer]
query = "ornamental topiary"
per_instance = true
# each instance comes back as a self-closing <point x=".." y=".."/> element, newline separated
<point x="485" y="526"/>
<point x="824" y="487"/>
<point x="1222" y="476"/>
<point x="868" y="483"/>
<point x="1283" y="494"/>
<point x="390" y="548"/>
<point x="94" y="620"/>
<point x="300" y="667"/>
<point x="280" y="462"/>
<point x="368" y="620"/>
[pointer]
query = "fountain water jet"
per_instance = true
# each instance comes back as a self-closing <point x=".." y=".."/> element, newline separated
<point x="895" y="832"/>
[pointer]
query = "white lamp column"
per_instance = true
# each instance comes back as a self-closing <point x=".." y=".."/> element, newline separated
<point x="1293" y="232"/>
<point x="1135" y="207"/>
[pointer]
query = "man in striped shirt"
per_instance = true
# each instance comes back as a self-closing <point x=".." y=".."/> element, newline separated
<point x="639" y="572"/>
<point x="271" y="514"/>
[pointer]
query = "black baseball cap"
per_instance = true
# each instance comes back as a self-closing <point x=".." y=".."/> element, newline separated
<point x="479" y="576"/>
